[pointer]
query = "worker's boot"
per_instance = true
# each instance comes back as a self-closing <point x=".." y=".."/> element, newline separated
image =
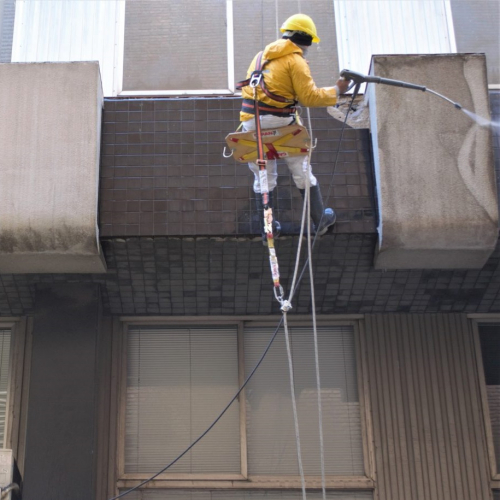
<point x="322" y="217"/>
<point x="276" y="224"/>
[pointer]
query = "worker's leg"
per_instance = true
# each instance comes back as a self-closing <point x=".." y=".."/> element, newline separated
<point x="322" y="217"/>
<point x="267" y="122"/>
<point x="298" y="170"/>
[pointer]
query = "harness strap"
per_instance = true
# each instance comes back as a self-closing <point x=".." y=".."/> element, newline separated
<point x="248" y="106"/>
<point x="258" y="72"/>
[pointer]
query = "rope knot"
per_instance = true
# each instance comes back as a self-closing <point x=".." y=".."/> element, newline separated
<point x="286" y="305"/>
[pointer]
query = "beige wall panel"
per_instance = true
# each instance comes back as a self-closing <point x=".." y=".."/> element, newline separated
<point x="427" y="422"/>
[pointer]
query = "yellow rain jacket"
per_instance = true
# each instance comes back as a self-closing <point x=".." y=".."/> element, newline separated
<point x="287" y="74"/>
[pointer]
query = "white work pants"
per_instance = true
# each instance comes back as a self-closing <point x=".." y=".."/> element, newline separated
<point x="295" y="163"/>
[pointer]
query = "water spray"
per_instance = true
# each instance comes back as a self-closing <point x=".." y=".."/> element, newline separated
<point x="359" y="78"/>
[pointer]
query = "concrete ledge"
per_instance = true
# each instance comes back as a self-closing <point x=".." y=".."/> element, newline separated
<point x="29" y="263"/>
<point x="434" y="165"/>
<point x="50" y="136"/>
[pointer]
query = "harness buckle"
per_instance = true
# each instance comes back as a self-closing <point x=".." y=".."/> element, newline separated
<point x="255" y="79"/>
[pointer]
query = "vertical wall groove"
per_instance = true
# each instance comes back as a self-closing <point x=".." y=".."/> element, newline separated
<point x="427" y="424"/>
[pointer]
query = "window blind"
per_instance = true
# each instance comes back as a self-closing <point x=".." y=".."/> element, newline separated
<point x="270" y="428"/>
<point x="5" y="341"/>
<point x="178" y="381"/>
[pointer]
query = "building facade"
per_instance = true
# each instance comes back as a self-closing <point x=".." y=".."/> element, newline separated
<point x="136" y="296"/>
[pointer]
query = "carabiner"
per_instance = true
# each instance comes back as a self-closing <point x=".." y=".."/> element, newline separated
<point x="279" y="297"/>
<point x="255" y="79"/>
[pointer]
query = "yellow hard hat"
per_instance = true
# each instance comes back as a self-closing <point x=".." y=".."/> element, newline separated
<point x="301" y="22"/>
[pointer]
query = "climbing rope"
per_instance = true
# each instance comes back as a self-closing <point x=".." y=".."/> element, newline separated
<point x="315" y="330"/>
<point x="294" y="407"/>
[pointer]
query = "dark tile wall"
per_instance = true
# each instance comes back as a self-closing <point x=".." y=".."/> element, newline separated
<point x="163" y="173"/>
<point x="216" y="276"/>
<point x="495" y="116"/>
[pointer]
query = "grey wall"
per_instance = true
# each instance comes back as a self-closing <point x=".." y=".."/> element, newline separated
<point x="60" y="442"/>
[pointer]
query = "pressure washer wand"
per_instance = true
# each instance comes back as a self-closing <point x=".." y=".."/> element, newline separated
<point x="360" y="78"/>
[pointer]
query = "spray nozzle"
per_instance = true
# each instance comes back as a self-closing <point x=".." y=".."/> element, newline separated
<point x="359" y="78"/>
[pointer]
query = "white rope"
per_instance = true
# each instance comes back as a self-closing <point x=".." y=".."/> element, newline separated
<point x="294" y="406"/>
<point x="315" y="330"/>
<point x="299" y="248"/>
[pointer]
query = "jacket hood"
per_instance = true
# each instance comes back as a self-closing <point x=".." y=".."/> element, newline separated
<point x="280" y="48"/>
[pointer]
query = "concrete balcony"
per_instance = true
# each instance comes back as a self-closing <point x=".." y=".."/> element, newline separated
<point x="49" y="168"/>
<point x="436" y="183"/>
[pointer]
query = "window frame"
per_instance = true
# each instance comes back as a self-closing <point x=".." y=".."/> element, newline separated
<point x="18" y="386"/>
<point x="119" y="480"/>
<point x="478" y="320"/>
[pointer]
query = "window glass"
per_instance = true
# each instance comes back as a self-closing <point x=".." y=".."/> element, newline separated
<point x="179" y="378"/>
<point x="489" y="335"/>
<point x="178" y="381"/>
<point x="477" y="29"/>
<point x="175" y="45"/>
<point x="169" y="47"/>
<point x="7" y="13"/>
<point x="270" y="426"/>
<point x="256" y="24"/>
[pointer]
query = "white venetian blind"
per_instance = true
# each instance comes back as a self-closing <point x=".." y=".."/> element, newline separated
<point x="178" y="381"/>
<point x="270" y="427"/>
<point x="5" y="338"/>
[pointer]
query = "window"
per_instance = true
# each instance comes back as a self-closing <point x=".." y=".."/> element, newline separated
<point x="7" y="13"/>
<point x="15" y="348"/>
<point x="489" y="340"/>
<point x="5" y="341"/>
<point x="177" y="378"/>
<point x="206" y="48"/>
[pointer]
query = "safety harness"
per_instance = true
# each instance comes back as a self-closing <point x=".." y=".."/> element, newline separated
<point x="257" y="79"/>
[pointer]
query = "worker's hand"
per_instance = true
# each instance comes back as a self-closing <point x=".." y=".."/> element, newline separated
<point x="342" y="85"/>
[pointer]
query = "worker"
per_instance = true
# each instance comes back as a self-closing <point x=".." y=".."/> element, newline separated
<point x="288" y="80"/>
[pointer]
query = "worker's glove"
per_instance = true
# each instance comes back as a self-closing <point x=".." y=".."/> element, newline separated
<point x="342" y="84"/>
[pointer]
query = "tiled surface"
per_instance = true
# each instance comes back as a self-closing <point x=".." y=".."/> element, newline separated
<point x="215" y="276"/>
<point x="495" y="115"/>
<point x="203" y="276"/>
<point x="163" y="173"/>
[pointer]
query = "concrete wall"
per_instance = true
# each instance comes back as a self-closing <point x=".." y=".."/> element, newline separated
<point x="62" y="420"/>
<point x="434" y="165"/>
<point x="49" y="167"/>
